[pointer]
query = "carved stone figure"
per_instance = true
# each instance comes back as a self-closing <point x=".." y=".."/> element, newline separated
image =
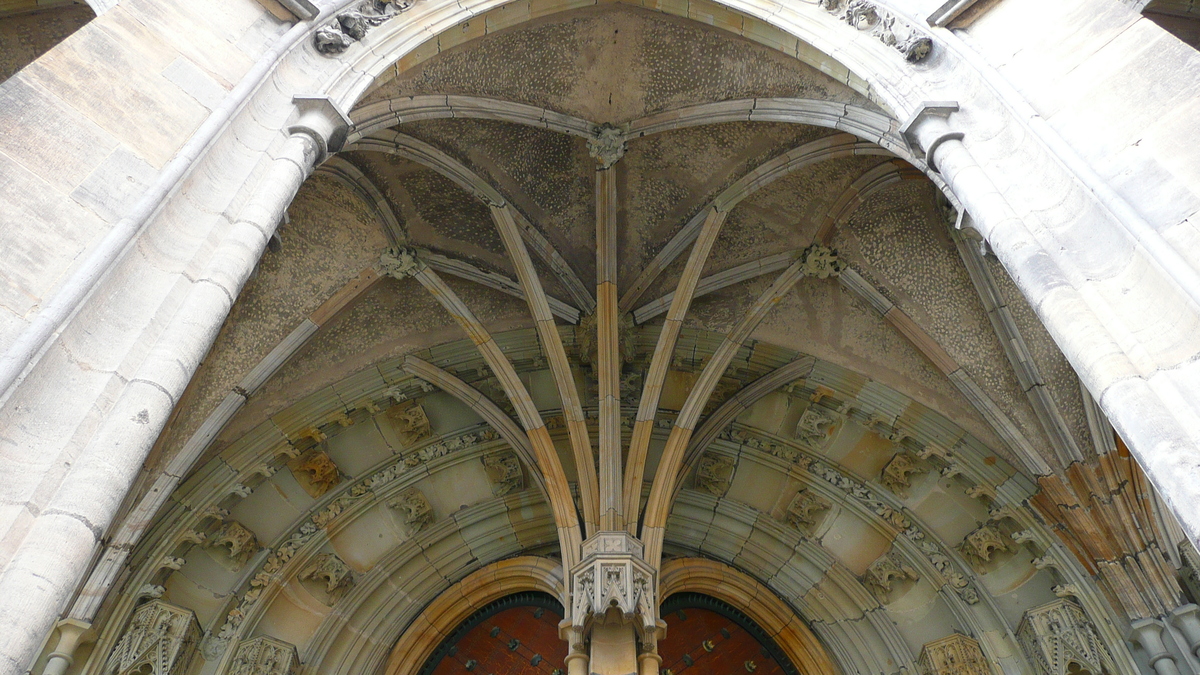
<point x="953" y="655"/>
<point x="329" y="568"/>
<point x="400" y="262"/>
<point x="264" y="656"/>
<point x="160" y="640"/>
<point x="815" y="425"/>
<point x="984" y="541"/>
<point x="607" y="145"/>
<point x="895" y="474"/>
<point x="887" y="568"/>
<point x="821" y="262"/>
<point x="1058" y="634"/>
<point x="800" y="511"/>
<point x="315" y="472"/>
<point x="410" y="422"/>
<point x="714" y="473"/>
<point x="504" y="471"/>
<point x="414" y="509"/>
<point x="238" y="542"/>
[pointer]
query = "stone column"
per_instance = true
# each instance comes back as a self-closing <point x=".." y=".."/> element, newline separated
<point x="1160" y="435"/>
<point x="56" y="551"/>
<point x="1187" y="620"/>
<point x="1148" y="633"/>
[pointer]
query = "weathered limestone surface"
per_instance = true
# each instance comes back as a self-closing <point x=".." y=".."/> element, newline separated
<point x="1070" y="158"/>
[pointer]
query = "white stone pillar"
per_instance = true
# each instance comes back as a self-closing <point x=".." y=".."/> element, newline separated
<point x="1148" y="633"/>
<point x="1159" y="434"/>
<point x="55" y="553"/>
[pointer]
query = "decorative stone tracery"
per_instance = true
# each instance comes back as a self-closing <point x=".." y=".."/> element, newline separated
<point x="1058" y="634"/>
<point x="264" y="656"/>
<point x="613" y="575"/>
<point x="953" y="655"/>
<point x="160" y="640"/>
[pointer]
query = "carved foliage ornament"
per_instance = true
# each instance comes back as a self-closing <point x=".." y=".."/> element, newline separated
<point x="882" y="25"/>
<point x="160" y="637"/>
<point x="352" y="25"/>
<point x="607" y="145"/>
<point x="272" y="568"/>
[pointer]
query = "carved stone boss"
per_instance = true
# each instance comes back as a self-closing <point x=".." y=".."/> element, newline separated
<point x="613" y="576"/>
<point x="160" y="636"/>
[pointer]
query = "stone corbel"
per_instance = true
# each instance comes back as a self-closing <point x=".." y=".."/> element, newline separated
<point x="71" y="634"/>
<point x="1187" y="620"/>
<point x="1148" y="634"/>
<point x="321" y="120"/>
<point x="928" y="128"/>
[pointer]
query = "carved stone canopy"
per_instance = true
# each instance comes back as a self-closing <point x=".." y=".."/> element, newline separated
<point x="1058" y="634"/>
<point x="504" y="471"/>
<point x="886" y="569"/>
<point x="161" y="640"/>
<point x="413" y="507"/>
<point x="613" y="575"/>
<point x="329" y="568"/>
<point x="264" y="656"/>
<point x="953" y="655"/>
